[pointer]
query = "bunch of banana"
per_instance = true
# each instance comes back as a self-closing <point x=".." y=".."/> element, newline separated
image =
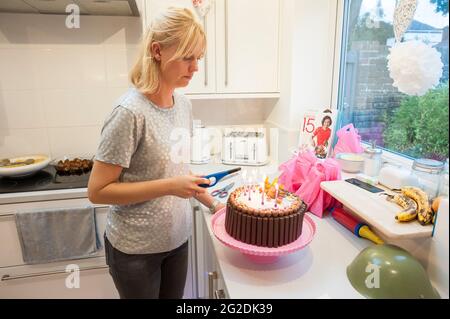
<point x="409" y="206"/>
<point x="424" y="212"/>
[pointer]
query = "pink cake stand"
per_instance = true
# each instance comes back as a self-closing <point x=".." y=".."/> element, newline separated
<point x="262" y="255"/>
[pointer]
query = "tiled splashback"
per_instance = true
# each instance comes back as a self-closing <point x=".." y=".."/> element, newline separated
<point x="57" y="85"/>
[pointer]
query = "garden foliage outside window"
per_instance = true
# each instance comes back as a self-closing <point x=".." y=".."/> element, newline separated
<point x="411" y="125"/>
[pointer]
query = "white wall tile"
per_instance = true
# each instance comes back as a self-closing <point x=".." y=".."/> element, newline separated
<point x="232" y="112"/>
<point x="57" y="68"/>
<point x="51" y="30"/>
<point x="122" y="32"/>
<point x="73" y="141"/>
<point x="21" y="109"/>
<point x="92" y="66"/>
<point x="16" y="69"/>
<point x="117" y="68"/>
<point x="17" y="142"/>
<point x="64" y="108"/>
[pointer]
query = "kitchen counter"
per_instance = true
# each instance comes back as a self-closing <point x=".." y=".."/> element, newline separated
<point x="317" y="271"/>
<point x="201" y="169"/>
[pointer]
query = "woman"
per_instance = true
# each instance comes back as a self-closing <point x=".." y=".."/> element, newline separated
<point x="150" y="219"/>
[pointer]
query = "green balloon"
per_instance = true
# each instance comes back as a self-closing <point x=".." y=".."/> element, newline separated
<point x="389" y="272"/>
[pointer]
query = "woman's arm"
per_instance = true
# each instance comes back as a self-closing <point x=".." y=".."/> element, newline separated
<point x="104" y="187"/>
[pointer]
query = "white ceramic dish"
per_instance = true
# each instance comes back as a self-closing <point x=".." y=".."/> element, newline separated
<point x="350" y="162"/>
<point x="25" y="170"/>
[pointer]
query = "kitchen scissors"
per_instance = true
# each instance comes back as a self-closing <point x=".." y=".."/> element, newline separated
<point x="223" y="192"/>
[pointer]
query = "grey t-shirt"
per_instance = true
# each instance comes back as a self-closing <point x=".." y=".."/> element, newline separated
<point x="137" y="136"/>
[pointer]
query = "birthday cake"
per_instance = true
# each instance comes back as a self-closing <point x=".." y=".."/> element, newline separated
<point x="264" y="217"/>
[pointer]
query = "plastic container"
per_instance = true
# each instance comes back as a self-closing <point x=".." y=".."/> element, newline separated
<point x="428" y="172"/>
<point x="396" y="177"/>
<point x="443" y="183"/>
<point x="350" y="162"/>
<point x="372" y="161"/>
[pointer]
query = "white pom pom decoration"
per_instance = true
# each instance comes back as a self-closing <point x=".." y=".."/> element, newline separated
<point x="415" y="67"/>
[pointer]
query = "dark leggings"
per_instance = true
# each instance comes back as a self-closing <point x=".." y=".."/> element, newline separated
<point x="148" y="276"/>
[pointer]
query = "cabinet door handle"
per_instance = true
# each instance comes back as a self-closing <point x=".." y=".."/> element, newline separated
<point x="205" y="22"/>
<point x="219" y="294"/>
<point x="226" y="42"/>
<point x="211" y="277"/>
<point x="46" y="273"/>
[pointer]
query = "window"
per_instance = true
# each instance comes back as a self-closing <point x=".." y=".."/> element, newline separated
<point x="412" y="126"/>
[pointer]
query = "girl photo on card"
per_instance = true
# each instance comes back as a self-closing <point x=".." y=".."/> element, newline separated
<point x="317" y="131"/>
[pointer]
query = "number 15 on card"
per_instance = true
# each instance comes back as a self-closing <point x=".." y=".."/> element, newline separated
<point x="309" y="124"/>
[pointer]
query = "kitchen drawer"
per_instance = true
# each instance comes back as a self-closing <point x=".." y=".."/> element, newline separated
<point x="49" y="280"/>
<point x="211" y="284"/>
<point x="10" y="250"/>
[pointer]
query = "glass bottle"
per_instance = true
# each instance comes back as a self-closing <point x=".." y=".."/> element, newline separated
<point x="443" y="184"/>
<point x="428" y="172"/>
<point x="372" y="160"/>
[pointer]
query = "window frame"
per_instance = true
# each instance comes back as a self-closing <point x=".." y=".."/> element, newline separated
<point x="341" y="41"/>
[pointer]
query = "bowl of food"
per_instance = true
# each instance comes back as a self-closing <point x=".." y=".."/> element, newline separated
<point x="350" y="162"/>
<point x="73" y="165"/>
<point x="23" y="166"/>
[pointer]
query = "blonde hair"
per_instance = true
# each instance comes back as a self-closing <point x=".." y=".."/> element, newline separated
<point x="174" y="26"/>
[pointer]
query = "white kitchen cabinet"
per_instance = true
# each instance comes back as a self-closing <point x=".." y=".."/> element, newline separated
<point x="19" y="280"/>
<point x="242" y="58"/>
<point x="247" y="46"/>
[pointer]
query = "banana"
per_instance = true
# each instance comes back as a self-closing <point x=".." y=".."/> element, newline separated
<point x="424" y="213"/>
<point x="409" y="206"/>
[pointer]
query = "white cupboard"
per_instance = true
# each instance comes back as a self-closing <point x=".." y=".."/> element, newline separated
<point x="48" y="280"/>
<point x="20" y="280"/>
<point x="210" y="283"/>
<point x="242" y="58"/>
<point x="247" y="46"/>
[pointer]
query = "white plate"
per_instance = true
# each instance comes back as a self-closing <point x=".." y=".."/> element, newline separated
<point x="26" y="169"/>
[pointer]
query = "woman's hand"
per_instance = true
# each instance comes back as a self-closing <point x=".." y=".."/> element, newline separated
<point x="186" y="186"/>
<point x="219" y="207"/>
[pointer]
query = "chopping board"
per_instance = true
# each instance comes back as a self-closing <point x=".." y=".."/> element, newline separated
<point x="375" y="210"/>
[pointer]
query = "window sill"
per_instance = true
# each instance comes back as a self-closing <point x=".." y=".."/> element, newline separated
<point x="394" y="158"/>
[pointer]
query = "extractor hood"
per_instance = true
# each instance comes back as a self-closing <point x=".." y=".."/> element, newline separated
<point x="87" y="7"/>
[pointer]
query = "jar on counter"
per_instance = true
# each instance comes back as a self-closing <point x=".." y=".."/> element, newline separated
<point x="443" y="184"/>
<point x="428" y="172"/>
<point x="372" y="160"/>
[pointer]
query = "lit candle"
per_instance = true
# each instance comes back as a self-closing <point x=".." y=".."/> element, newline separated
<point x="249" y="190"/>
<point x="276" y="194"/>
<point x="262" y="193"/>
<point x="244" y="180"/>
